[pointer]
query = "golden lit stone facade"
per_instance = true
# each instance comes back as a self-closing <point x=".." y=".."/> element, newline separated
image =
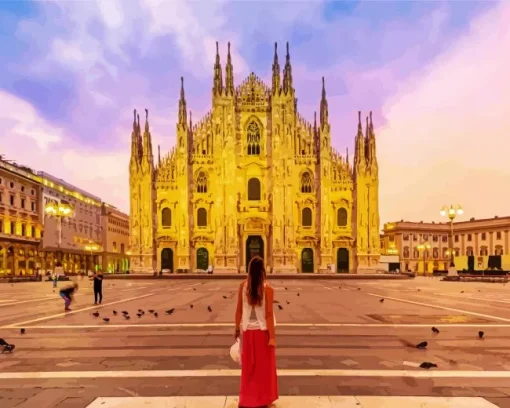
<point x="254" y="177"/>
<point x="20" y="225"/>
<point x="479" y="238"/>
<point x="115" y="226"/>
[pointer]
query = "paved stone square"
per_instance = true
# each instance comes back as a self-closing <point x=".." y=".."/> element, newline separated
<point x="334" y="338"/>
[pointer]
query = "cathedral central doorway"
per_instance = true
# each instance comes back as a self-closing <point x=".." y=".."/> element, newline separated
<point x="167" y="259"/>
<point x="342" y="260"/>
<point x="202" y="258"/>
<point x="254" y="247"/>
<point x="307" y="260"/>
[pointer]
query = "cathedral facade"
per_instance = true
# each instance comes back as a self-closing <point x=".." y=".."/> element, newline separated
<point x="253" y="177"/>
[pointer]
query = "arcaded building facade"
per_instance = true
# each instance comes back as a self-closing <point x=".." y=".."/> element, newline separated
<point x="254" y="177"/>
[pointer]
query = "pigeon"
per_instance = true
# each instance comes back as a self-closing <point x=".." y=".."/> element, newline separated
<point x="359" y="288"/>
<point x="478" y="290"/>
<point x="140" y="311"/>
<point x="95" y="314"/>
<point x="288" y="302"/>
<point x="461" y="291"/>
<point x="115" y="313"/>
<point x="224" y="297"/>
<point x="419" y="290"/>
<point x="435" y="330"/>
<point x="155" y="314"/>
<point x="151" y="310"/>
<point x="422" y="345"/>
<point x="191" y="306"/>
<point x="428" y="365"/>
<point x="280" y="307"/>
<point x="170" y="311"/>
<point x="106" y="319"/>
<point x="3" y="342"/>
<point x="480" y="334"/>
<point x="8" y="348"/>
<point x="22" y="331"/>
<point x="298" y="294"/>
<point x="194" y="288"/>
<point x="209" y="308"/>
<point x="139" y="315"/>
<point x="382" y="300"/>
<point x="285" y="288"/>
<point x="125" y="312"/>
<point x="127" y="317"/>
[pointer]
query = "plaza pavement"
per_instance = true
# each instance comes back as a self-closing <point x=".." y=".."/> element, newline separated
<point x="334" y="339"/>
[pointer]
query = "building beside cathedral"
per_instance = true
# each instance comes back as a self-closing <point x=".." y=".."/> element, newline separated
<point x="253" y="177"/>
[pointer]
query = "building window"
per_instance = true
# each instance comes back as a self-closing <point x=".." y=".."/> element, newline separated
<point x="444" y="238"/>
<point x="1" y="226"/>
<point x="33" y="206"/>
<point x="434" y="238"/>
<point x="469" y="251"/>
<point x="1" y="198"/>
<point x="32" y="231"/>
<point x="12" y="200"/>
<point x="23" y="230"/>
<point x="435" y="253"/>
<point x="202" y="217"/>
<point x="253" y="139"/>
<point x="306" y="183"/>
<point x="166" y="217"/>
<point x="253" y="189"/>
<point x="114" y="246"/>
<point x="405" y="237"/>
<point x="22" y="188"/>
<point x="13" y="227"/>
<point x="484" y="236"/>
<point x="498" y="250"/>
<point x="415" y="237"/>
<point x="23" y="203"/>
<point x="406" y="252"/>
<point x="456" y="238"/>
<point x="498" y="235"/>
<point x="306" y="217"/>
<point x="469" y="237"/>
<point x="392" y="238"/>
<point x="341" y="217"/>
<point x="425" y="237"/>
<point x="11" y="184"/>
<point x="484" y="251"/>
<point x="201" y="183"/>
<point x="122" y="248"/>
<point x="416" y="253"/>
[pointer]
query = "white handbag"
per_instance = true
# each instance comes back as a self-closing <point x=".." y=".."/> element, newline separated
<point x="235" y="352"/>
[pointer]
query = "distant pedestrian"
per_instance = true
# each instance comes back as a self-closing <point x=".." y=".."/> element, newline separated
<point x="254" y="314"/>
<point x="67" y="294"/>
<point x="98" y="287"/>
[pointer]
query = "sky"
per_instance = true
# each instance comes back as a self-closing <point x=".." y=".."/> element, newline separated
<point x="435" y="75"/>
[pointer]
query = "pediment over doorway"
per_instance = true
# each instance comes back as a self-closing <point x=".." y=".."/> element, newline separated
<point x="254" y="223"/>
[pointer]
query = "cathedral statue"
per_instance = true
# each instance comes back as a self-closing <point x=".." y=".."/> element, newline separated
<point x="256" y="114"/>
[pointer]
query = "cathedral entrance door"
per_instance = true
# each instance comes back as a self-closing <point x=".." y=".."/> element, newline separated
<point x="254" y="247"/>
<point x="167" y="259"/>
<point x="202" y="258"/>
<point x="307" y="260"/>
<point x="342" y="260"/>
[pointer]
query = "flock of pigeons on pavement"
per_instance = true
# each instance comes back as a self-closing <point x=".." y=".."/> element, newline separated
<point x="9" y="348"/>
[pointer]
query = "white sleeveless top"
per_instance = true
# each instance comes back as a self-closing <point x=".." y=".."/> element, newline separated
<point x="254" y="317"/>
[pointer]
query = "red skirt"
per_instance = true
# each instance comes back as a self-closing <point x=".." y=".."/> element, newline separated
<point x="259" y="384"/>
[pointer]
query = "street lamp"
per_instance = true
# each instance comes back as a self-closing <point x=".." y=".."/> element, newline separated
<point x="423" y="247"/>
<point x="451" y="212"/>
<point x="59" y="211"/>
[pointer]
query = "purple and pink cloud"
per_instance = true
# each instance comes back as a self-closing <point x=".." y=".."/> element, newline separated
<point x="435" y="75"/>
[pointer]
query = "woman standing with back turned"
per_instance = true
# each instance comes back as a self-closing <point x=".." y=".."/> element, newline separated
<point x="254" y="314"/>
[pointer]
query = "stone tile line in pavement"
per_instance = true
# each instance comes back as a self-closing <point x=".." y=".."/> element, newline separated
<point x="237" y="373"/>
<point x="296" y="402"/>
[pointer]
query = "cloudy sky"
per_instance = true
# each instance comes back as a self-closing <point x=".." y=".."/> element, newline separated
<point x="435" y="74"/>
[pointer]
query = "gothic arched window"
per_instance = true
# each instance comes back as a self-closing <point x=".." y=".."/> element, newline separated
<point x="254" y="189"/>
<point x="306" y="183"/>
<point x="253" y="139"/>
<point x="201" y="183"/>
<point x="166" y="217"/>
<point x="341" y="217"/>
<point x="306" y="217"/>
<point x="202" y="217"/>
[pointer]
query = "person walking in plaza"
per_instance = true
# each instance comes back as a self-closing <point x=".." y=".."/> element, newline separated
<point x="67" y="294"/>
<point x="98" y="287"/>
<point x="254" y="315"/>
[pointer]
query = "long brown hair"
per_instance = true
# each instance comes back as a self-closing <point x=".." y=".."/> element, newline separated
<point x="255" y="285"/>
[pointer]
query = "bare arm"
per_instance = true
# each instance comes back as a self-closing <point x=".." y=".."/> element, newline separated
<point x="239" y="308"/>
<point x="269" y="311"/>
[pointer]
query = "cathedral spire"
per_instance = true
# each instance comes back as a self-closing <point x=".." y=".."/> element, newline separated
<point x="287" y="73"/>
<point x="347" y="155"/>
<point x="367" y="140"/>
<point x="229" y="75"/>
<point x="218" y="79"/>
<point x="159" y="155"/>
<point x="139" y="136"/>
<point x="371" y="142"/>
<point x="276" y="71"/>
<point x="182" y="106"/>
<point x="135" y="145"/>
<point x="359" y="151"/>
<point x="147" y="140"/>
<point x="324" y="106"/>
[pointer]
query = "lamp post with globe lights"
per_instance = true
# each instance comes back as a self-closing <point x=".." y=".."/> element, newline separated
<point x="59" y="211"/>
<point x="451" y="212"/>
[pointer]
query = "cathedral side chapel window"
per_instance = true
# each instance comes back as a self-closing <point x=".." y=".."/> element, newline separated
<point x="166" y="217"/>
<point x="253" y="139"/>
<point x="306" y="217"/>
<point x="341" y="217"/>
<point x="202" y="217"/>
<point x="254" y="189"/>
<point x="202" y="183"/>
<point x="306" y="183"/>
